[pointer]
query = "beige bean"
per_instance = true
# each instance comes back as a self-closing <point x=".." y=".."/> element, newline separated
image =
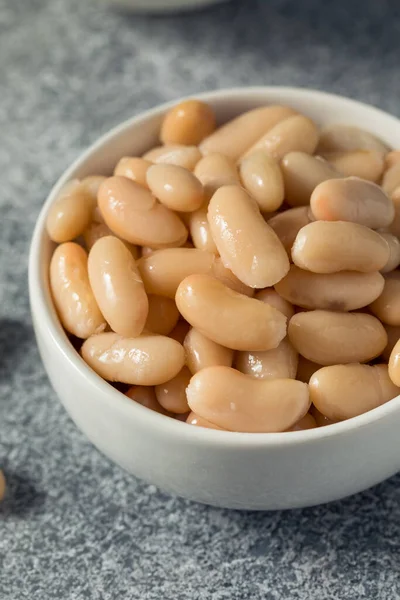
<point x="2" y="485"/>
<point x="133" y="214"/>
<point x="179" y="331"/>
<point x="73" y="297"/>
<point x="246" y="243"/>
<point x="146" y="396"/>
<point x="391" y="178"/>
<point x="118" y="287"/>
<point x="70" y="214"/>
<point x="393" y="333"/>
<point x="392" y="158"/>
<point x="320" y="419"/>
<point x="214" y="171"/>
<point x="301" y="174"/>
<point x="163" y="315"/>
<point x="172" y="394"/>
<point x="387" y="306"/>
<point x="307" y="422"/>
<point x="332" y="246"/>
<point x="287" y="225"/>
<point x="352" y="199"/>
<point x="330" y="338"/>
<point x="306" y="368"/>
<point x="367" y="164"/>
<point x="194" y="419"/>
<point x="236" y="136"/>
<point x="394" y="364"/>
<point x="200" y="231"/>
<point x="237" y="402"/>
<point x="294" y="134"/>
<point x="262" y="178"/>
<point x="201" y="352"/>
<point x="271" y="297"/>
<point x="343" y="291"/>
<point x="215" y="310"/>
<point x="278" y="363"/>
<point x="345" y="138"/>
<point x="96" y="231"/>
<point x="188" y="123"/>
<point x="163" y="271"/>
<point x="181" y="156"/>
<point x="225" y="275"/>
<point x="394" y="250"/>
<point x="175" y="187"/>
<point x="145" y="360"/>
<point x="92" y="184"/>
<point x="134" y="168"/>
<point x="344" y="391"/>
<point x="182" y="417"/>
<point x="394" y="227"/>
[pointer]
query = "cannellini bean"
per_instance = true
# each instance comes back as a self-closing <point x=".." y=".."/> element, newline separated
<point x="394" y="227"/>
<point x="287" y="224"/>
<point x="394" y="364"/>
<point x="393" y="333"/>
<point x="294" y="134"/>
<point x="118" y="287"/>
<point x="344" y="291"/>
<point x="201" y="352"/>
<point x="320" y="419"/>
<point x="146" y="396"/>
<point x="301" y="174"/>
<point x="387" y="306"/>
<point x="181" y="156"/>
<point x="225" y="275"/>
<point x="345" y="138"/>
<point x="175" y="187"/>
<point x="134" y="168"/>
<point x="332" y="246"/>
<point x="2" y="485"/>
<point x="236" y="136"/>
<point x="391" y="178"/>
<point x="163" y="315"/>
<point x="188" y="123"/>
<point x="145" y="360"/>
<point x="215" y="310"/>
<point x="278" y="363"/>
<point x="367" y="164"/>
<point x="133" y="214"/>
<point x="96" y="231"/>
<point x="172" y="394"/>
<point x="352" y="199"/>
<point x="394" y="249"/>
<point x="70" y="213"/>
<point x="392" y="158"/>
<point x="214" y="171"/>
<point x="330" y="338"/>
<point x="306" y="368"/>
<point x="307" y="422"/>
<point x="194" y="419"/>
<point x="200" y="230"/>
<point x="245" y="242"/>
<point x="92" y="184"/>
<point x="271" y="297"/>
<point x="237" y="402"/>
<point x="345" y="391"/>
<point x="163" y="271"/>
<point x="179" y="331"/>
<point x="73" y="297"/>
<point x="262" y="178"/>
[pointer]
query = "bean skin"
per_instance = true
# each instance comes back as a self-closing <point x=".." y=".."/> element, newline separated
<point x="287" y="224"/>
<point x="70" y="214"/>
<point x="134" y="168"/>
<point x="387" y="306"/>
<point x="194" y="419"/>
<point x="174" y="154"/>
<point x="171" y="395"/>
<point x="201" y="352"/>
<point x="345" y="138"/>
<point x="367" y="164"/>
<point x="146" y="396"/>
<point x="278" y="363"/>
<point x="271" y="297"/>
<point x="188" y="123"/>
<point x="262" y="178"/>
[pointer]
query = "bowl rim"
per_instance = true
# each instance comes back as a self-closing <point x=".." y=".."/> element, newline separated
<point x="43" y="310"/>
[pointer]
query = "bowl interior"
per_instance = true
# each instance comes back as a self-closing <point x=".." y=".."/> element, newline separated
<point x="139" y="134"/>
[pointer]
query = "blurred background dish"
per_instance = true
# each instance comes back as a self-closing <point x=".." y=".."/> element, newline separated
<point x="162" y="6"/>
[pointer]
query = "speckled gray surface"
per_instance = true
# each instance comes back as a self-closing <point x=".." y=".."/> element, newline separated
<point x="73" y="525"/>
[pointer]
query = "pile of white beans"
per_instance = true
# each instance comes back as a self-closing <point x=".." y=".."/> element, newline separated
<point x="240" y="277"/>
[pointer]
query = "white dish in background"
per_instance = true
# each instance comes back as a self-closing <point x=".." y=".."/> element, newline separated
<point x="235" y="470"/>
<point x="162" y="6"/>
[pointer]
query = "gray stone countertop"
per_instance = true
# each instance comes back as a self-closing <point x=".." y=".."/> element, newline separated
<point x="74" y="526"/>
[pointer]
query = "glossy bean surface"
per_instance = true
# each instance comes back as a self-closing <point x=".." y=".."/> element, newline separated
<point x="387" y="306"/>
<point x="70" y="214"/>
<point x="197" y="421"/>
<point x="287" y="224"/>
<point x="278" y="363"/>
<point x="201" y="352"/>
<point x="214" y="171"/>
<point x="163" y="315"/>
<point x="146" y="396"/>
<point x="171" y="395"/>
<point x="346" y="138"/>
<point x="367" y="164"/>
<point x="134" y="168"/>
<point x="262" y="178"/>
<point x="175" y="187"/>
<point x="271" y="297"/>
<point x="175" y="154"/>
<point x="188" y="123"/>
<point x="394" y="252"/>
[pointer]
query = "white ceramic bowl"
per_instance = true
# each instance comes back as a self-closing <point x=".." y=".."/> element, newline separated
<point x="237" y="470"/>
